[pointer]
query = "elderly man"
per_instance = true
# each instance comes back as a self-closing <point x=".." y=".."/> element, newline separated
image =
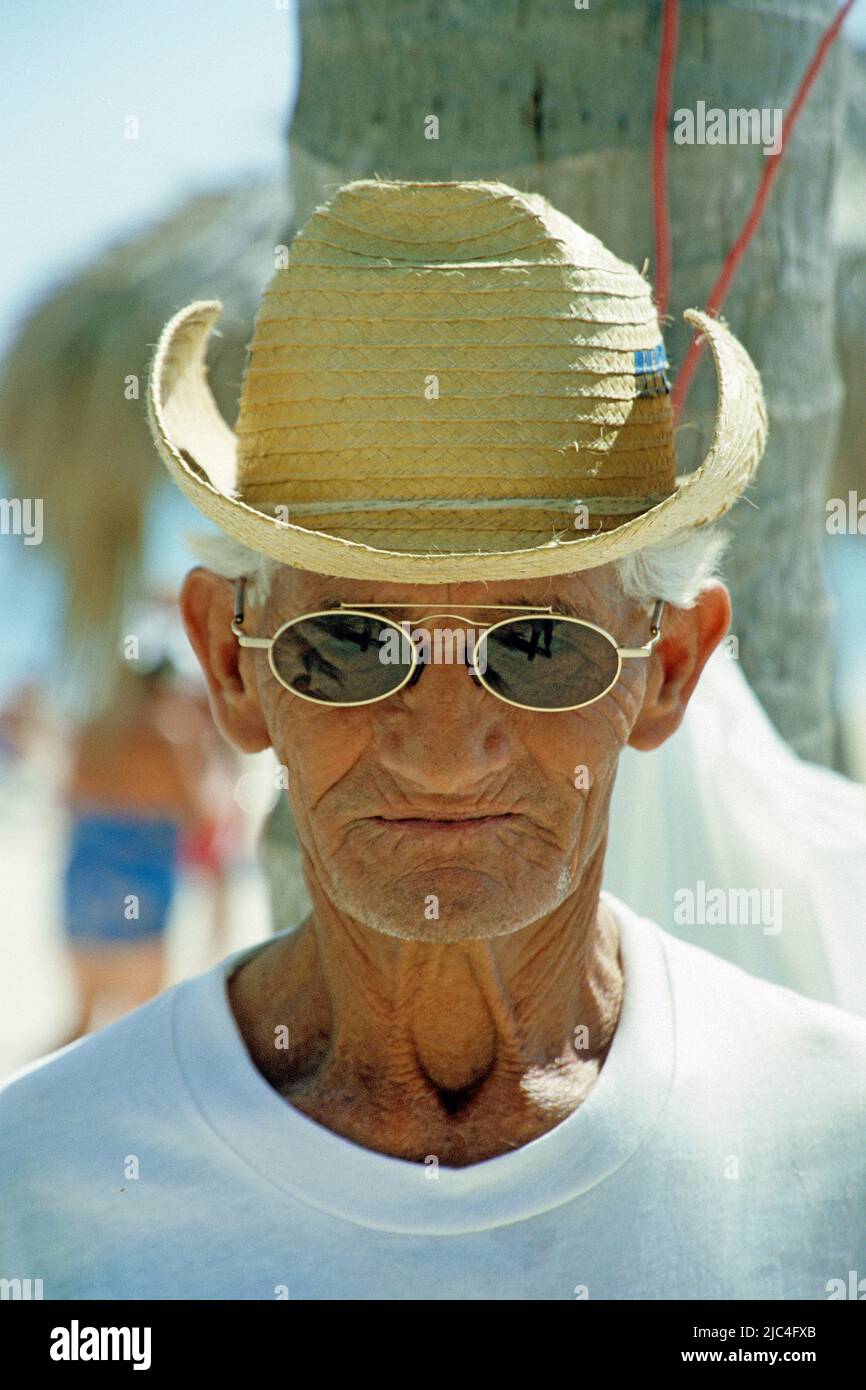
<point x="469" y="1073"/>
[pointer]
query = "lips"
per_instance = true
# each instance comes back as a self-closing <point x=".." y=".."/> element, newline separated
<point x="443" y="825"/>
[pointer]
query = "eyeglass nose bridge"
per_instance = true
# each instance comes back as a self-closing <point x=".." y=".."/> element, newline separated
<point x="421" y="662"/>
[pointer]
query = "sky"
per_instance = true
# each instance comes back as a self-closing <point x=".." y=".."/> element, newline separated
<point x="209" y="81"/>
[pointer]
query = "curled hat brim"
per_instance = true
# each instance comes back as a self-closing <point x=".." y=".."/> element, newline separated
<point x="199" y="451"/>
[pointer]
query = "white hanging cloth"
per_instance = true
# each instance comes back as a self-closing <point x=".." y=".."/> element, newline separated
<point x="725" y="805"/>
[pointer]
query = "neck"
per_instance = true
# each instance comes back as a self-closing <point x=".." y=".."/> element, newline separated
<point x="462" y="1051"/>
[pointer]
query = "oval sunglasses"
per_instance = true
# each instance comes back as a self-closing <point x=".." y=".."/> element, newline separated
<point x="542" y="660"/>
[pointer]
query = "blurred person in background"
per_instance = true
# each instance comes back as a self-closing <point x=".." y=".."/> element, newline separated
<point x="144" y="795"/>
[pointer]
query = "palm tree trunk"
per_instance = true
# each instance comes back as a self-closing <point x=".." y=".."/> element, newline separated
<point x="560" y="100"/>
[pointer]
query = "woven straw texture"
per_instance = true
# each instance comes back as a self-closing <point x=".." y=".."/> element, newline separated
<point x="449" y="380"/>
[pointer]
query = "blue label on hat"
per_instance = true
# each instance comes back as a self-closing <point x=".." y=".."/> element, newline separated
<point x="650" y="371"/>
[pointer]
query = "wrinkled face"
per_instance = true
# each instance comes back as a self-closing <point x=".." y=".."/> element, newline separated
<point x="442" y="813"/>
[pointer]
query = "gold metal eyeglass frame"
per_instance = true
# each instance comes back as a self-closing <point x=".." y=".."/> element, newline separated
<point x="370" y="610"/>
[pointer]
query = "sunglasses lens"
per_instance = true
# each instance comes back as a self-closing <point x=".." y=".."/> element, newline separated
<point x="547" y="663"/>
<point x="342" y="658"/>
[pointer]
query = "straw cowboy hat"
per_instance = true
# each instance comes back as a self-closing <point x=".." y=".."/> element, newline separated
<point x="449" y="381"/>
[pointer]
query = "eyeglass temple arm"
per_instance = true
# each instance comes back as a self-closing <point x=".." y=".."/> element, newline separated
<point x="238" y="620"/>
<point x="655" y="634"/>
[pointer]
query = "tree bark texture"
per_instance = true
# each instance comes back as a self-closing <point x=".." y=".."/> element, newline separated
<point x="560" y="100"/>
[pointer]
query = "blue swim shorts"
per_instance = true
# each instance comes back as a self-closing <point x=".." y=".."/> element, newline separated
<point x="120" y="878"/>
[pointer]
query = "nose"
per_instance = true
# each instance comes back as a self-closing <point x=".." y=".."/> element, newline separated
<point x="444" y="734"/>
<point x="421" y="667"/>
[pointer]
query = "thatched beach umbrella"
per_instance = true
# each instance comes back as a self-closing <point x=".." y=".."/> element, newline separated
<point x="73" y="429"/>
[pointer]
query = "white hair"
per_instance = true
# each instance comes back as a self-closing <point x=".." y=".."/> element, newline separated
<point x="675" y="570"/>
<point x="234" y="560"/>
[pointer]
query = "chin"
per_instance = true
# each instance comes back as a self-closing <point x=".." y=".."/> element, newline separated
<point x="447" y="905"/>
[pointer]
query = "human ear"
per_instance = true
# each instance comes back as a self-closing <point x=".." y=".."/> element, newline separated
<point x="207" y="608"/>
<point x="689" y="638"/>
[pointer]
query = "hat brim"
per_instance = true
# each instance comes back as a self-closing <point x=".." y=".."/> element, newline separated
<point x="199" y="450"/>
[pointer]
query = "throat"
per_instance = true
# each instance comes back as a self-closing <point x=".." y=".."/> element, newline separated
<point x="456" y="1103"/>
<point x="460" y="1053"/>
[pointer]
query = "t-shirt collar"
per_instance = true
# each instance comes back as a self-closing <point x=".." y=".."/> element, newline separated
<point x="325" y="1171"/>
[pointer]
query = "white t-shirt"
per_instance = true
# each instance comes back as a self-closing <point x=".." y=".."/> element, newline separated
<point x="720" y="1154"/>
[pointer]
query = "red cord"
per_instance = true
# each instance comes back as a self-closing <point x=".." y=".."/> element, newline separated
<point x="756" y="212"/>
<point x="661" y="119"/>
